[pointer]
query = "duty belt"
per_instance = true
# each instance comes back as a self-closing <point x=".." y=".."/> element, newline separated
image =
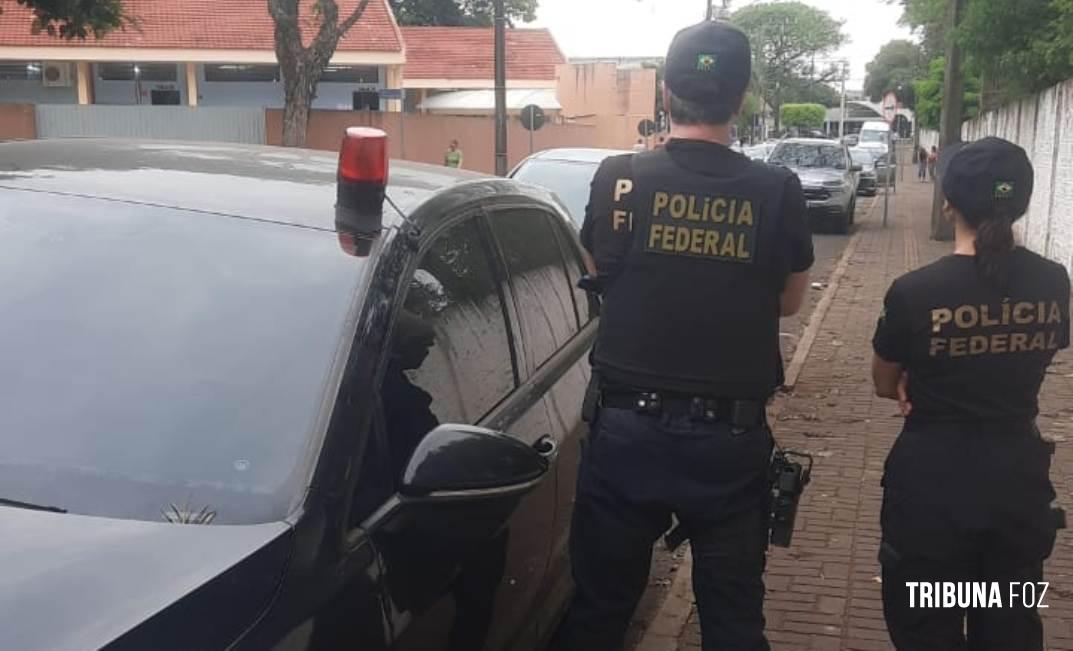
<point x="739" y="413"/>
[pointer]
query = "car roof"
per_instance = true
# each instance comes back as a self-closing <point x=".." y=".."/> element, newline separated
<point x="577" y="155"/>
<point x="275" y="184"/>
<point x="810" y="141"/>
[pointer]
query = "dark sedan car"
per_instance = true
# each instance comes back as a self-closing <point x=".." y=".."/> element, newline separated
<point x="245" y="408"/>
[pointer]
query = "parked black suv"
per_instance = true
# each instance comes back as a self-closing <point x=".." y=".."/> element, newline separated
<point x="234" y="417"/>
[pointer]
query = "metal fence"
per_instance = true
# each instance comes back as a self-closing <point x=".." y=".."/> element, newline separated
<point x="215" y="124"/>
<point x="1043" y="125"/>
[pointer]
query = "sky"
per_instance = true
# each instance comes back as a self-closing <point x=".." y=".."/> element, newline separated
<point x="610" y="28"/>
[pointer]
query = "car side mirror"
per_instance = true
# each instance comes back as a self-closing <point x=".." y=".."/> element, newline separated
<point x="461" y="474"/>
<point x="857" y="168"/>
<point x="459" y="463"/>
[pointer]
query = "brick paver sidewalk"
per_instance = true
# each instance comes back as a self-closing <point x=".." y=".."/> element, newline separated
<point x="824" y="592"/>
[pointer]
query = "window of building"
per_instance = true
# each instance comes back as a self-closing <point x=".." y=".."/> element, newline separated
<point x="140" y="71"/>
<point x="20" y="71"/>
<point x="241" y="72"/>
<point x="352" y="74"/>
<point x="539" y="280"/>
<point x="366" y="100"/>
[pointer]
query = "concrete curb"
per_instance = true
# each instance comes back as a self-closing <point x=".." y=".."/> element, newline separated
<point x="670" y="620"/>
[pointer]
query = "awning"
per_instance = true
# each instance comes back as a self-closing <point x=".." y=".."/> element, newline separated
<point x="485" y="100"/>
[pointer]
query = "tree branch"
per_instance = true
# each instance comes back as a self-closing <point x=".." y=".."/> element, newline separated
<point x="353" y="18"/>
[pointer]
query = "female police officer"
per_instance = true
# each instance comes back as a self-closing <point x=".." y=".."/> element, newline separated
<point x="963" y="344"/>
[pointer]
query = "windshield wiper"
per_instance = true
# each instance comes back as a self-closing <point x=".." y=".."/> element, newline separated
<point x="30" y="506"/>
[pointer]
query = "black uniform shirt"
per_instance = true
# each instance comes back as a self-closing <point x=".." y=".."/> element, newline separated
<point x="691" y="284"/>
<point x="607" y="233"/>
<point x="975" y="353"/>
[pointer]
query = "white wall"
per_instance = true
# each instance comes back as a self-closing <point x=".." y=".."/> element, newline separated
<point x="1043" y="125"/>
<point x="32" y="91"/>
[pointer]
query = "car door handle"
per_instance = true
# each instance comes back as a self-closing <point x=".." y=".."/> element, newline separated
<point x="546" y="446"/>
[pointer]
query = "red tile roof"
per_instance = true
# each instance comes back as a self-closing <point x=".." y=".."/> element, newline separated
<point x="467" y="53"/>
<point x="209" y="25"/>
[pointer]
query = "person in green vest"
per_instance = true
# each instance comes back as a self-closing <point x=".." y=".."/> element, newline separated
<point x="453" y="156"/>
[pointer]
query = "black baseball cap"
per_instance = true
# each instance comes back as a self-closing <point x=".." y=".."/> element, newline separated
<point x="709" y="61"/>
<point x="987" y="178"/>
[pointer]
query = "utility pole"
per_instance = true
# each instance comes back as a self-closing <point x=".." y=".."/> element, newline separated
<point x="501" y="87"/>
<point x="842" y="115"/>
<point x="953" y="108"/>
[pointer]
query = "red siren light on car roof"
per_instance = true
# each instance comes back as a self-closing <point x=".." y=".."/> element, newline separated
<point x="361" y="183"/>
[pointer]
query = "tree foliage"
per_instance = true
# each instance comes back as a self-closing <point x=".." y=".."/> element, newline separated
<point x="1017" y="46"/>
<point x="71" y="19"/>
<point x="788" y="40"/>
<point x="803" y="116"/>
<point x="808" y="91"/>
<point x="474" y="13"/>
<point x="929" y="91"/>
<point x="897" y="66"/>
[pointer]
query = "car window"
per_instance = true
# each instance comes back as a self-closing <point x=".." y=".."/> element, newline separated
<point x="169" y="365"/>
<point x="538" y="278"/>
<point x="451" y="342"/>
<point x="584" y="303"/>
<point x="802" y="154"/>
<point x="569" y="180"/>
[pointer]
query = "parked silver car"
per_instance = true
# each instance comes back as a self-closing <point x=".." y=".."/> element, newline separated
<point x="828" y="177"/>
<point x="876" y="172"/>
<point x="566" y="172"/>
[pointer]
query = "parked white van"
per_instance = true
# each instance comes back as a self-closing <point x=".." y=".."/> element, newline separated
<point x="874" y="135"/>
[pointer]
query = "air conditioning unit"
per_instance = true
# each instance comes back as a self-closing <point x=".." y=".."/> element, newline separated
<point x="55" y="74"/>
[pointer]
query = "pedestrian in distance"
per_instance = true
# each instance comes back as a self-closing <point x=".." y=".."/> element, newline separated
<point x="933" y="162"/>
<point x="963" y="344"/>
<point x="697" y="252"/>
<point x="453" y="156"/>
<point x="922" y="165"/>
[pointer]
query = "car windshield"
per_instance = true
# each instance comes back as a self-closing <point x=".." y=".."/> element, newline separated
<point x="873" y="136"/>
<point x="861" y="157"/>
<point x="802" y="154"/>
<point x="161" y="364"/>
<point x="570" y="180"/>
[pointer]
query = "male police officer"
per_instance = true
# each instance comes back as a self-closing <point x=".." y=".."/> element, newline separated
<point x="698" y="251"/>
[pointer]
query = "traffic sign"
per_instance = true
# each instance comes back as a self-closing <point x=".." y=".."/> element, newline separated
<point x="533" y="117"/>
<point x="647" y="128"/>
<point x="890" y="107"/>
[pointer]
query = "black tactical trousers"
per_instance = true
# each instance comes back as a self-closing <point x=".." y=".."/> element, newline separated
<point x="965" y="505"/>
<point x="636" y="471"/>
<point x="1012" y="627"/>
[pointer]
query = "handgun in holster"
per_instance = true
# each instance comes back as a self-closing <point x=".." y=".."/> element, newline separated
<point x="790" y="473"/>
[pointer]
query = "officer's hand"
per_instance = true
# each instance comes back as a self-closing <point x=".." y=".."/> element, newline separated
<point x="904" y="405"/>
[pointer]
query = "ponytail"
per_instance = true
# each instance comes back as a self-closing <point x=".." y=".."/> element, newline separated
<point x="994" y="243"/>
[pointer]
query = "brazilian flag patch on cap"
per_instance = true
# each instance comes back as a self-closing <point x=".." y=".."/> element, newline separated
<point x="1004" y="190"/>
<point x="705" y="62"/>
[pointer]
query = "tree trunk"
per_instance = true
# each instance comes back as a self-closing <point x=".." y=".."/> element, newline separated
<point x="952" y="113"/>
<point x="300" y="66"/>
<point x="296" y="113"/>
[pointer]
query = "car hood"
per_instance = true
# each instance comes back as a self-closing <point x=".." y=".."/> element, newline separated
<point x="816" y="176"/>
<point x="80" y="582"/>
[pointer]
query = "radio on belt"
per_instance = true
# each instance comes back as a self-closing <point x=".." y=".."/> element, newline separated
<point x="361" y="183"/>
